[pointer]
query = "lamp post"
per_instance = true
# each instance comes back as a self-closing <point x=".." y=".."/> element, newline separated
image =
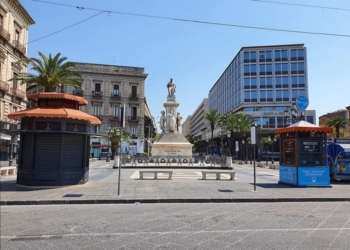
<point x="267" y="149"/>
<point x="243" y="149"/>
<point x="207" y="140"/>
<point x="293" y="115"/>
<point x="108" y="132"/>
<point x="228" y="134"/>
<point x="149" y="129"/>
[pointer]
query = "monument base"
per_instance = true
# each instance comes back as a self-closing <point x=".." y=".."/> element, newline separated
<point x="172" y="144"/>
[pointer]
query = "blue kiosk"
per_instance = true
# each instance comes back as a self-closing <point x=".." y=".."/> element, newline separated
<point x="303" y="158"/>
<point x="338" y="154"/>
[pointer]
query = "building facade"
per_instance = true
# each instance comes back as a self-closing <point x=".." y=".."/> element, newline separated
<point x="112" y="91"/>
<point x="198" y="123"/>
<point x="263" y="81"/>
<point x="14" y="23"/>
<point x="344" y="113"/>
<point x="186" y="126"/>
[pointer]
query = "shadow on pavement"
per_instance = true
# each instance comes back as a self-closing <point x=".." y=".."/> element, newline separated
<point x="272" y="185"/>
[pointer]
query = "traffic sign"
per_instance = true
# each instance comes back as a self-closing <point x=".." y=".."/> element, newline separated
<point x="302" y="102"/>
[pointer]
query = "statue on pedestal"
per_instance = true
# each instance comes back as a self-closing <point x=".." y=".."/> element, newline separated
<point x="178" y="121"/>
<point x="162" y="121"/>
<point x="171" y="87"/>
<point x="172" y="121"/>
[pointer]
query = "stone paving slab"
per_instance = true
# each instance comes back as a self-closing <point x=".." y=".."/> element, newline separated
<point x="102" y="188"/>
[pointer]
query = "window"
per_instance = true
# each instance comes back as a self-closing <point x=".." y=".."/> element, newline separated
<point x="265" y="56"/>
<point x="249" y="57"/>
<point x="284" y="55"/>
<point x="250" y="70"/>
<point x="115" y="110"/>
<point x="297" y="54"/>
<point x="265" y="69"/>
<point x="116" y="90"/>
<point x="281" y="55"/>
<point x="97" y="109"/>
<point x="17" y="35"/>
<point x="266" y="96"/>
<point x="133" y="131"/>
<point x="1" y="21"/>
<point x="282" y="95"/>
<point x="251" y="109"/>
<point x="133" y="91"/>
<point x="310" y="119"/>
<point x="250" y="96"/>
<point x="250" y="83"/>
<point x="298" y="81"/>
<point x="97" y="89"/>
<point x="268" y="122"/>
<point x="96" y="129"/>
<point x="281" y="68"/>
<point x="280" y="108"/>
<point x="15" y="80"/>
<point x="266" y="109"/>
<point x="297" y="68"/>
<point x="280" y="122"/>
<point x="133" y="111"/>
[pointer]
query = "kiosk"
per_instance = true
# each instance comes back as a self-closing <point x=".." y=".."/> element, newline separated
<point x="338" y="154"/>
<point x="303" y="155"/>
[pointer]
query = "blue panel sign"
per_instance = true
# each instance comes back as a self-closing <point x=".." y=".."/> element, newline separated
<point x="313" y="176"/>
<point x="288" y="175"/>
<point x="302" y="102"/>
<point x="343" y="166"/>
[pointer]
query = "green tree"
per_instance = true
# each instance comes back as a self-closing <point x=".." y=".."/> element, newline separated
<point x="337" y="123"/>
<point x="213" y="117"/>
<point x="114" y="138"/>
<point x="51" y="72"/>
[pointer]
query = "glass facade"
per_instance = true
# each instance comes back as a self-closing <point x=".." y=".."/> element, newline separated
<point x="261" y="79"/>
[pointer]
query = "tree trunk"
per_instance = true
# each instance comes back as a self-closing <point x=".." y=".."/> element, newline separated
<point x="337" y="131"/>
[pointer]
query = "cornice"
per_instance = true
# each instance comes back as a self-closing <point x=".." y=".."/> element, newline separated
<point x="22" y="12"/>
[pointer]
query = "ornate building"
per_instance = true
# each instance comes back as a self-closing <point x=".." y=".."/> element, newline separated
<point x="14" y="23"/>
<point x="108" y="88"/>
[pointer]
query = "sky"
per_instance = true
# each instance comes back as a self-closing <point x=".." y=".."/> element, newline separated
<point x="195" y="54"/>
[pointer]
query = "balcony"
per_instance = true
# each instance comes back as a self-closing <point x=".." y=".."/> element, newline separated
<point x="19" y="46"/>
<point x="97" y="94"/>
<point x="115" y="96"/>
<point x="5" y="34"/>
<point x="78" y="92"/>
<point x="4" y="86"/>
<point x="133" y="97"/>
<point x="133" y="118"/>
<point x="113" y="119"/>
<point x="18" y="93"/>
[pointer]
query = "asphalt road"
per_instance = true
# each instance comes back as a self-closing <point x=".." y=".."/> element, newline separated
<point x="177" y="226"/>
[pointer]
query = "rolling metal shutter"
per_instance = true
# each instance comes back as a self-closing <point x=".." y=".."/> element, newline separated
<point x="73" y="151"/>
<point x="47" y="151"/>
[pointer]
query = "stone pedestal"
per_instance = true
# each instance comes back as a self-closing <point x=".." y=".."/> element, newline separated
<point x="171" y="143"/>
<point x="229" y="162"/>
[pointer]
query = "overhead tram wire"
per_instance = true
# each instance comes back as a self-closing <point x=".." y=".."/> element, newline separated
<point x="70" y="26"/>
<point x="300" y="5"/>
<point x="202" y="22"/>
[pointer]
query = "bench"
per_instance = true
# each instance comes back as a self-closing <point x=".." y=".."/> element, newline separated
<point x="8" y="170"/>
<point x="155" y="172"/>
<point x="218" y="174"/>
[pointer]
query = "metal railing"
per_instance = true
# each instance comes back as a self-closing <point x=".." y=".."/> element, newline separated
<point x="19" y="46"/>
<point x="5" y="34"/>
<point x="17" y="92"/>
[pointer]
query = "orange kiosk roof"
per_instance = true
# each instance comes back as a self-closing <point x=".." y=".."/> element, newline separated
<point x="303" y="126"/>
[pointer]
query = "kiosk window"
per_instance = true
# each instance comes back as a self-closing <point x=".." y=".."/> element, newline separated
<point x="311" y="153"/>
<point x="289" y="152"/>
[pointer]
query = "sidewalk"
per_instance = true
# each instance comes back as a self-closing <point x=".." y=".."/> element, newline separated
<point x="102" y="188"/>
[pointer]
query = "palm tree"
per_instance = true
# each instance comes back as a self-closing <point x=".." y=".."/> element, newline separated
<point x="115" y="139"/>
<point x="266" y="142"/>
<point x="51" y="72"/>
<point x="213" y="117"/>
<point x="230" y="121"/>
<point x="337" y="123"/>
<point x="193" y="140"/>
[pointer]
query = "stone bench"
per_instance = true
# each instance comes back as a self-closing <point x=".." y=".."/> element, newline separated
<point x="8" y="170"/>
<point x="156" y="172"/>
<point x="218" y="174"/>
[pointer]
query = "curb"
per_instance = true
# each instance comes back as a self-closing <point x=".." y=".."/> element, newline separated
<point x="159" y="201"/>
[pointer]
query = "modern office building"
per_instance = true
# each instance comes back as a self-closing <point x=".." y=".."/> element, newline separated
<point x="198" y="123"/>
<point x="14" y="23"/>
<point x="186" y="126"/>
<point x="263" y="81"/>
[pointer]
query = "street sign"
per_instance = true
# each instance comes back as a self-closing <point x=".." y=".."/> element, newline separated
<point x="302" y="102"/>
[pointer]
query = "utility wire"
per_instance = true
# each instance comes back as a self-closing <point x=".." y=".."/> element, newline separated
<point x="201" y="22"/>
<point x="301" y="5"/>
<point x="70" y="26"/>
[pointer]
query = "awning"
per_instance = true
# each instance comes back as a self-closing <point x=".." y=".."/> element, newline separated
<point x="5" y="137"/>
<point x="303" y="126"/>
<point x="54" y="95"/>
<point x="56" y="113"/>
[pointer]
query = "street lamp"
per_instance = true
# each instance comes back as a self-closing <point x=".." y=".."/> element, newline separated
<point x="207" y="140"/>
<point x="108" y="132"/>
<point x="243" y="149"/>
<point x="228" y="134"/>
<point x="293" y="115"/>
<point x="149" y="129"/>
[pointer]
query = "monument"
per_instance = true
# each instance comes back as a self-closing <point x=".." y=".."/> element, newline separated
<point x="171" y="142"/>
